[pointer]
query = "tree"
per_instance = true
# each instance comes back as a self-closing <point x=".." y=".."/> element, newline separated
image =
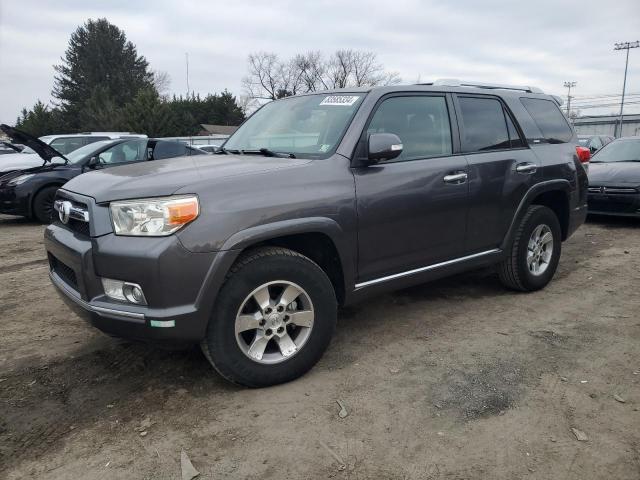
<point x="99" y="55"/>
<point x="149" y="114"/>
<point x="269" y="78"/>
<point x="99" y="112"/>
<point x="40" y="120"/>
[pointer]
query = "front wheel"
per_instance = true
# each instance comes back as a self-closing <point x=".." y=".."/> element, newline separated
<point x="274" y="318"/>
<point x="43" y="204"/>
<point x="535" y="252"/>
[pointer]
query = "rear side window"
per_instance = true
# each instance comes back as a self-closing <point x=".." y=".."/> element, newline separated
<point x="484" y="124"/>
<point x="548" y="118"/>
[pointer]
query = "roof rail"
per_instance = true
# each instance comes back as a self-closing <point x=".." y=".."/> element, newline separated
<point x="454" y="82"/>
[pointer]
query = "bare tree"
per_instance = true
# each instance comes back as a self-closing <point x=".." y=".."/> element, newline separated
<point x="270" y="78"/>
<point x="161" y="81"/>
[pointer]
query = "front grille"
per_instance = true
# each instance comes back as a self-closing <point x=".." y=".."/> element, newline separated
<point x="65" y="272"/>
<point x="614" y="206"/>
<point x="74" y="224"/>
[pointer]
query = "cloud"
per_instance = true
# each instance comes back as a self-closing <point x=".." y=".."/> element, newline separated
<point x="542" y="44"/>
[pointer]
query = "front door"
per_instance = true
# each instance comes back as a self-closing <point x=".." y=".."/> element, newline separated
<point x="412" y="209"/>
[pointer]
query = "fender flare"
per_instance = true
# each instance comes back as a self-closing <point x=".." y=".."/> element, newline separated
<point x="238" y="242"/>
<point x="542" y="187"/>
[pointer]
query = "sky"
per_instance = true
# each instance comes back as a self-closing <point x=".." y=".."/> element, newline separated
<point x="542" y="43"/>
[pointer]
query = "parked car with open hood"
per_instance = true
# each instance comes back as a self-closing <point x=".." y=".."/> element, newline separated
<point x="614" y="179"/>
<point x="30" y="192"/>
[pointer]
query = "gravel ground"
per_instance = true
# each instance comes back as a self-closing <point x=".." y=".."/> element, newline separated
<point x="457" y="379"/>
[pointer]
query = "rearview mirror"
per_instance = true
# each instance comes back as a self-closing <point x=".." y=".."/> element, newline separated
<point x="383" y="146"/>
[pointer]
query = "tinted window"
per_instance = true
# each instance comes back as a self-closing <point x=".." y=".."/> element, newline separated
<point x="484" y="125"/>
<point x="169" y="150"/>
<point x="514" y="137"/>
<point x="421" y="122"/>
<point x="125" y="152"/>
<point x="548" y="118"/>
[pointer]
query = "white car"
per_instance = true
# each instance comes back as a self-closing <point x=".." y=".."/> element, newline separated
<point x="61" y="143"/>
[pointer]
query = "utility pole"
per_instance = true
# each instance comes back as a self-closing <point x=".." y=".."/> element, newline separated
<point x="624" y="46"/>
<point x="569" y="85"/>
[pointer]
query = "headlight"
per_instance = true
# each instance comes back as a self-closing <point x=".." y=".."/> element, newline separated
<point x="20" y="180"/>
<point x="153" y="217"/>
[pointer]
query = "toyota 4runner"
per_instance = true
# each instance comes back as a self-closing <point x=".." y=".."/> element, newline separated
<point x="316" y="201"/>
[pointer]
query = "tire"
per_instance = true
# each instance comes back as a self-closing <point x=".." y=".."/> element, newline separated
<point x="278" y="268"/>
<point x="515" y="271"/>
<point x="43" y="204"/>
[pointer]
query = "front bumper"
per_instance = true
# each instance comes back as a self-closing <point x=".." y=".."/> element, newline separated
<point x="622" y="205"/>
<point x="171" y="277"/>
<point x="13" y="202"/>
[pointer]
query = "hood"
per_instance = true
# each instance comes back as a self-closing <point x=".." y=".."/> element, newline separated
<point x="19" y="161"/>
<point x="614" y="173"/>
<point x="164" y="177"/>
<point x="46" y="152"/>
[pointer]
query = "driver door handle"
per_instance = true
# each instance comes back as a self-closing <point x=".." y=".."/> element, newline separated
<point x="455" y="178"/>
<point x="526" y="167"/>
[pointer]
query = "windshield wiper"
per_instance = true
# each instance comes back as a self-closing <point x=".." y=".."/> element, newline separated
<point x="268" y="153"/>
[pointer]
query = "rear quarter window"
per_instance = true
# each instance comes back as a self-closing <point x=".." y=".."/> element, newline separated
<point x="549" y="119"/>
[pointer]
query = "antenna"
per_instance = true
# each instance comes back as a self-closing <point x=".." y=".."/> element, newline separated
<point x="186" y="55"/>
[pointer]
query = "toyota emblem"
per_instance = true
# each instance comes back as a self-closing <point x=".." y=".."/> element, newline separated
<point x="64" y="210"/>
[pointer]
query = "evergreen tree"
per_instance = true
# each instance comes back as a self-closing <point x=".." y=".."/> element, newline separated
<point x="149" y="114"/>
<point x="100" y="113"/>
<point x="99" y="55"/>
<point x="40" y="120"/>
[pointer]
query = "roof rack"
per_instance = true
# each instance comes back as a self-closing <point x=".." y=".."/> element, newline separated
<point x="454" y="82"/>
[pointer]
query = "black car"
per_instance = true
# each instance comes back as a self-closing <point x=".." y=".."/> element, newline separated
<point x="7" y="147"/>
<point x="594" y="142"/>
<point x="614" y="179"/>
<point x="30" y="192"/>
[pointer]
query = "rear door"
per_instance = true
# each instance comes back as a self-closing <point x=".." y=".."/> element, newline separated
<point x="501" y="168"/>
<point x="412" y="209"/>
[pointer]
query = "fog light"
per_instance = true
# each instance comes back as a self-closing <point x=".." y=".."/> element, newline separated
<point x="123" y="291"/>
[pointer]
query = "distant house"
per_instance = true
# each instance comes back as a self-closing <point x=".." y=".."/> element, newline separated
<point x="217" y="129"/>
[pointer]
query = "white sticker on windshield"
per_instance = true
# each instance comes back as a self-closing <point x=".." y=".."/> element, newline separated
<point x="346" y="100"/>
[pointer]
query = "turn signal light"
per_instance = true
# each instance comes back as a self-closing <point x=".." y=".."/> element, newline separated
<point x="584" y="154"/>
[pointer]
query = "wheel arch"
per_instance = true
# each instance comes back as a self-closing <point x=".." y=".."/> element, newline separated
<point x="554" y="194"/>
<point x="320" y="239"/>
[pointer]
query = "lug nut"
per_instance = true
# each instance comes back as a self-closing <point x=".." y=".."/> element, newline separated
<point x="262" y="322"/>
<point x="267" y="310"/>
<point x="269" y="332"/>
<point x="286" y="318"/>
<point x="280" y="308"/>
<point x="280" y="329"/>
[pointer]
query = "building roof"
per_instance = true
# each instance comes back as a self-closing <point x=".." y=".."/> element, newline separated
<point x="219" y="129"/>
<point x="634" y="117"/>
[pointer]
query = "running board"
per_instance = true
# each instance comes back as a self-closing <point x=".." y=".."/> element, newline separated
<point x="415" y="271"/>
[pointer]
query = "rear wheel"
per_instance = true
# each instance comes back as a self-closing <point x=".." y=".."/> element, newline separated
<point x="273" y="319"/>
<point x="43" y="204"/>
<point x="535" y="251"/>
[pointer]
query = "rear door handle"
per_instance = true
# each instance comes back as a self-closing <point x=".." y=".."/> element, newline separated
<point x="526" y="168"/>
<point x="455" y="178"/>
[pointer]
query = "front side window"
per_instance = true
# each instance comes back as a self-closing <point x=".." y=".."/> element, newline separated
<point x="125" y="152"/>
<point x="549" y="119"/>
<point x="421" y="123"/>
<point x="484" y="126"/>
<point x="169" y="149"/>
<point x="309" y="126"/>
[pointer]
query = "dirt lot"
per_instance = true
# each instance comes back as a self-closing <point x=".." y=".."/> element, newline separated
<point x="457" y="379"/>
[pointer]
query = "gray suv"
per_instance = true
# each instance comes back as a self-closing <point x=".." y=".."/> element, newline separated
<point x="317" y="201"/>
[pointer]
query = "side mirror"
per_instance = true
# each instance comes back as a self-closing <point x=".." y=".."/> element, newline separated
<point x="94" y="162"/>
<point x="383" y="146"/>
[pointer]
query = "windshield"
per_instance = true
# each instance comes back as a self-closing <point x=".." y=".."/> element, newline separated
<point x="83" y="153"/>
<point x="310" y="126"/>
<point x="619" y="151"/>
